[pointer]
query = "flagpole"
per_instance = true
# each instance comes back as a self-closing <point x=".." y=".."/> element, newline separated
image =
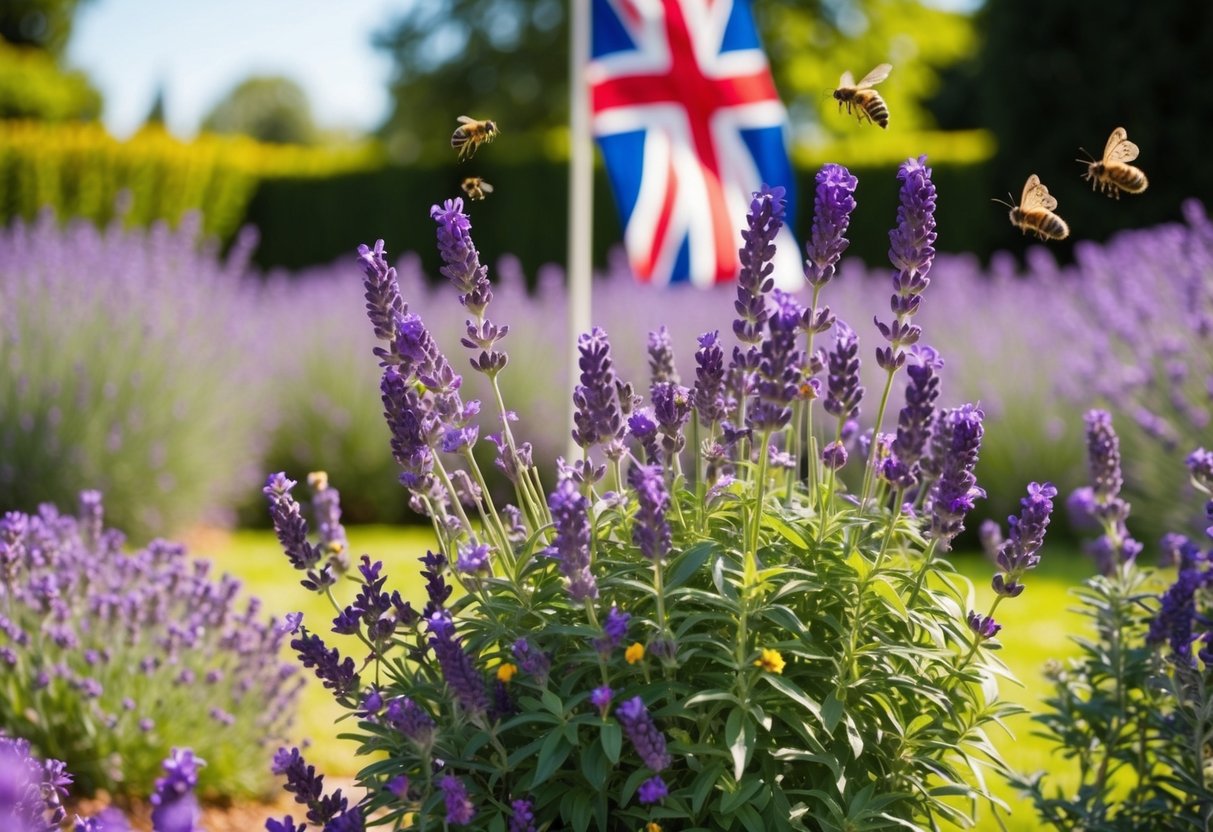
<point x="581" y="191"/>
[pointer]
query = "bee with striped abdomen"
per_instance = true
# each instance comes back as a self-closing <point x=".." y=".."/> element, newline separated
<point x="1035" y="212"/>
<point x="476" y="188"/>
<point x="1113" y="173"/>
<point x="471" y="133"/>
<point x="866" y="101"/>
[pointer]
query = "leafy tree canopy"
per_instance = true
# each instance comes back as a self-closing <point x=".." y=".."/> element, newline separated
<point x="270" y="109"/>
<point x="44" y="24"/>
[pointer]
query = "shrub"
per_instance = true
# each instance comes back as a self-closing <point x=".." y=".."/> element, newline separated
<point x="33" y="86"/>
<point x="122" y="353"/>
<point x="684" y="629"/>
<point x="1134" y="713"/>
<point x="110" y="659"/>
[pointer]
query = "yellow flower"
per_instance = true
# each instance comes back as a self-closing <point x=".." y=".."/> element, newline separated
<point x="770" y="660"/>
<point x="506" y="671"/>
<point x="652" y="826"/>
<point x="634" y="653"/>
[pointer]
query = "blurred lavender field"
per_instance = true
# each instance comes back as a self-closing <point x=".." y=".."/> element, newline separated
<point x="234" y="374"/>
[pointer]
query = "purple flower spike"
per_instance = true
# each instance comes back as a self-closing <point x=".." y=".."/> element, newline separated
<point x="650" y="531"/>
<point x="522" y="817"/>
<point x="288" y="521"/>
<point x="646" y="738"/>
<point x="1200" y="465"/>
<point x="661" y="357"/>
<point x="671" y="409"/>
<point x="338" y="676"/>
<point x="832" y="206"/>
<point x="956" y="444"/>
<point x="911" y="250"/>
<point x="600" y="698"/>
<point x="843" y="391"/>
<point x="383" y="303"/>
<point x="532" y="661"/>
<point x="461" y="260"/>
<point x="597" y="417"/>
<point x="983" y="626"/>
<point x="653" y="790"/>
<point x="1115" y="546"/>
<point x="834" y="455"/>
<point x="778" y="368"/>
<point x="461" y="676"/>
<point x="754" y="281"/>
<point x="174" y="806"/>
<point x="287" y="824"/>
<point x="708" y="395"/>
<point x="473" y="559"/>
<point x="1020" y="552"/>
<point x="571" y="542"/>
<point x="614" y="630"/>
<point x="411" y="720"/>
<point x="459" y="808"/>
<point x="915" y="420"/>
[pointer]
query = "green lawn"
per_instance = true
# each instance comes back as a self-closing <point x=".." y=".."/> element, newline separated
<point x="1036" y="627"/>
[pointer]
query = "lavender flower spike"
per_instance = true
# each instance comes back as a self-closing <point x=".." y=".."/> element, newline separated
<point x="174" y="806"/>
<point x="646" y="738"/>
<point x="1115" y="546"/>
<point x="661" y="357"/>
<point x="956" y="446"/>
<point x="650" y="532"/>
<point x="832" y="207"/>
<point x="778" y="367"/>
<point x="461" y="676"/>
<point x="459" y="807"/>
<point x="911" y="250"/>
<point x="843" y="390"/>
<point x="914" y="421"/>
<point x="383" y="302"/>
<point x="708" y="395"/>
<point x="1020" y="551"/>
<point x="571" y="543"/>
<point x="754" y="281"/>
<point x="597" y="417"/>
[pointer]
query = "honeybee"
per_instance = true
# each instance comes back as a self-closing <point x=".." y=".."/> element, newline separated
<point x="471" y="133"/>
<point x="867" y="102"/>
<point x="1112" y="174"/>
<point x="1035" y="212"/>
<point x="476" y="188"/>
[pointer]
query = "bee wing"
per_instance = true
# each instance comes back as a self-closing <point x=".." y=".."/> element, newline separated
<point x="486" y="187"/>
<point x="1036" y="195"/>
<point x="1119" y="148"/>
<point x="847" y="80"/>
<point x="466" y="120"/>
<point x="875" y="76"/>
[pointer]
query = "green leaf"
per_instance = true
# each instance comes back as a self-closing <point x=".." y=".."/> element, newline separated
<point x="552" y="702"/>
<point x="739" y="736"/>
<point x="689" y="562"/>
<point x="854" y="737"/>
<point x="611" y="737"/>
<point x="552" y="754"/>
<point x="704" y="784"/>
<point x="776" y="523"/>
<point x="746" y="789"/>
<point x="793" y="691"/>
<point x="831" y="712"/>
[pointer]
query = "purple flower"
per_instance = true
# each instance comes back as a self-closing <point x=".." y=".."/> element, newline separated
<point x="411" y="720"/>
<point x="287" y="824"/>
<point x="522" y="817"/>
<point x="31" y="792"/>
<point x="956" y="444"/>
<point x="653" y="790"/>
<point x="983" y="626"/>
<point x="832" y="206"/>
<point x="571" y="541"/>
<point x="1200" y="464"/>
<point x="351" y="820"/>
<point x="289" y="524"/>
<point x="473" y="559"/>
<point x="413" y="429"/>
<point x="596" y="417"/>
<point x="436" y="587"/>
<point x="834" y="455"/>
<point x="650" y="531"/>
<point x="916" y="417"/>
<point x="398" y="786"/>
<point x="384" y="305"/>
<point x="708" y="393"/>
<point x="843" y="391"/>
<point x="763" y="222"/>
<point x="1020" y="551"/>
<point x="661" y="358"/>
<point x="600" y="698"/>
<point x="459" y="808"/>
<point x="1103" y="456"/>
<point x="643" y="427"/>
<point x="532" y="661"/>
<point x="338" y="676"/>
<point x="778" y="368"/>
<point x="614" y="630"/>
<point x="671" y="409"/>
<point x="646" y="738"/>
<point x="461" y="676"/>
<point x="174" y="806"/>
<point x="911" y="250"/>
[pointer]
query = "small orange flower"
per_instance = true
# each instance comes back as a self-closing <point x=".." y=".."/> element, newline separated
<point x="652" y="826"/>
<point x="634" y="653"/>
<point x="770" y="660"/>
<point x="506" y="671"/>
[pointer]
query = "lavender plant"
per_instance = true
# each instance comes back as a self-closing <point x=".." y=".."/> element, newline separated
<point x="122" y="351"/>
<point x="678" y="629"/>
<point x="1134" y="712"/>
<point x="111" y="658"/>
<point x="33" y="791"/>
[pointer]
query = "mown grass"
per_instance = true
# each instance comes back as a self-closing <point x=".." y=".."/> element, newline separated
<point x="1036" y="627"/>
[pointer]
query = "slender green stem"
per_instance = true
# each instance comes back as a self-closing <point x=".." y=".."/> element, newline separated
<point x="927" y="558"/>
<point x="870" y="465"/>
<point x="503" y="537"/>
<point x="440" y="470"/>
<point x="759" y="492"/>
<point x="812" y="474"/>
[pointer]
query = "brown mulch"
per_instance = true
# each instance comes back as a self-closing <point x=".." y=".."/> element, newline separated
<point x="237" y="817"/>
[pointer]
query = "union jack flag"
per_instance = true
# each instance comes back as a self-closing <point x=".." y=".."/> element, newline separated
<point x="689" y="121"/>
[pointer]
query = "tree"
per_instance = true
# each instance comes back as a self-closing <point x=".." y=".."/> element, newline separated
<point x="508" y="59"/>
<point x="44" y="24"/>
<point x="270" y="109"/>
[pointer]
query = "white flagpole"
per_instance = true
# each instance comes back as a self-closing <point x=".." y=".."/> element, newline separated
<point x="581" y="191"/>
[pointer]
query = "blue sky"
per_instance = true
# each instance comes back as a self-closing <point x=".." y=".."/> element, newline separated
<point x="200" y="49"/>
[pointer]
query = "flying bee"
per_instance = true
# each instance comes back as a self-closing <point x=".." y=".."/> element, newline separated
<point x="476" y="188"/>
<point x="471" y="133"/>
<point x="867" y="102"/>
<point x="1035" y="212"/>
<point x="1113" y="173"/>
